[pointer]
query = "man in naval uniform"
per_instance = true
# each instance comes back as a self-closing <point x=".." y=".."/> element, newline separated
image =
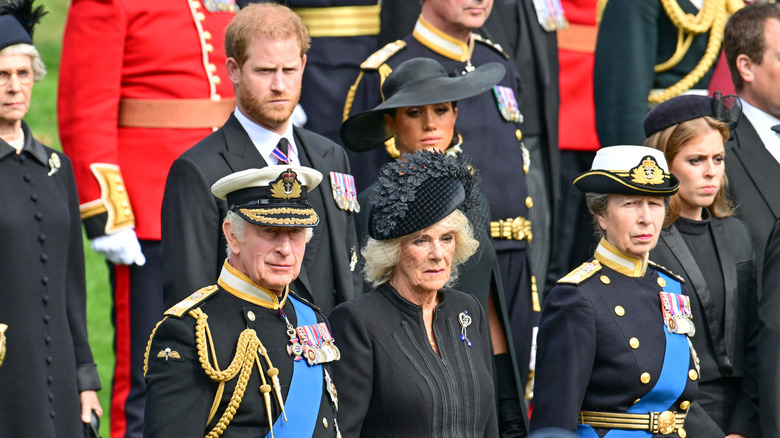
<point x="266" y="46"/>
<point x="247" y="356"/>
<point x="489" y="127"/>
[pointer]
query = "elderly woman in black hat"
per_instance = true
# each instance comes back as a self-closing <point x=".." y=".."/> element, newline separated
<point x="613" y="354"/>
<point x="417" y="357"/>
<point x="48" y="379"/>
<point x="712" y="250"/>
<point x="419" y="113"/>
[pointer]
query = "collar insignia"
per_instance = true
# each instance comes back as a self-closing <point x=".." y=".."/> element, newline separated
<point x="286" y="186"/>
<point x="647" y="172"/>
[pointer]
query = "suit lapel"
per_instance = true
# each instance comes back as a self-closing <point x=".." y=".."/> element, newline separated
<point x="729" y="267"/>
<point x="240" y="153"/>
<point x="680" y="250"/>
<point x="759" y="164"/>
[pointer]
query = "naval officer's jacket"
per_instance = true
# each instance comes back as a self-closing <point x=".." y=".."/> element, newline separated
<point x="604" y="348"/>
<point x="211" y="361"/>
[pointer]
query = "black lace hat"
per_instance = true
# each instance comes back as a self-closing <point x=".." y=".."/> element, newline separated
<point x="683" y="108"/>
<point x="628" y="170"/>
<point x="418" y="190"/>
<point x="275" y="196"/>
<point x="416" y="82"/>
<point x="17" y="20"/>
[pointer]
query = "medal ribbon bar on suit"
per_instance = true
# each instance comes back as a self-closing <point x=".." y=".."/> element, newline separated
<point x="670" y="385"/>
<point x="302" y="408"/>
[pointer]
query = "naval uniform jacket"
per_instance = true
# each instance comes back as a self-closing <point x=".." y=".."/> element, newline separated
<point x="726" y="349"/>
<point x="634" y="36"/>
<point x="391" y="382"/>
<point x="601" y="342"/>
<point x="193" y="246"/>
<point x="43" y="295"/>
<point x="179" y="394"/>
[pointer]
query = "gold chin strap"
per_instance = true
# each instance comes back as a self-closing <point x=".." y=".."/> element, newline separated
<point x="712" y="17"/>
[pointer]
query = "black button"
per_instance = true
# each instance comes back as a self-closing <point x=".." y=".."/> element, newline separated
<point x="51" y="397"/>
<point x="52" y="414"/>
<point x="34" y="197"/>
<point x="45" y="299"/>
<point x="44" y="257"/>
<point x="46" y="318"/>
<point x="47" y="339"/>
<point x="48" y="360"/>
<point x="42" y="237"/>
<point x="50" y="379"/>
<point x="27" y="178"/>
<point x="38" y="216"/>
<point x="45" y="280"/>
<point x="20" y="157"/>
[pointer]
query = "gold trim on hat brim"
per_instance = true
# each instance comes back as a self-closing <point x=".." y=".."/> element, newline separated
<point x="650" y="191"/>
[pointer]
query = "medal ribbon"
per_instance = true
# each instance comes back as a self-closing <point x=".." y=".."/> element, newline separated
<point x="302" y="409"/>
<point x="670" y="385"/>
<point x="351" y="187"/>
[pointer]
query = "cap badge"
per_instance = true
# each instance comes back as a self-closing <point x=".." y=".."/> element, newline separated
<point x="286" y="186"/>
<point x="647" y="172"/>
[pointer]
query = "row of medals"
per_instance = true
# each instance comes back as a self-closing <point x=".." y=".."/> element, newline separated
<point x="324" y="352"/>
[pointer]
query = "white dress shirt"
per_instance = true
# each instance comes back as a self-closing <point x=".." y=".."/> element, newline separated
<point x="265" y="141"/>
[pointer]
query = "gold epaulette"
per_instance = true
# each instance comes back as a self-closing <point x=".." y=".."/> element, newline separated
<point x="666" y="271"/>
<point x="191" y="301"/>
<point x="114" y="199"/>
<point x="495" y="46"/>
<point x="382" y="55"/>
<point x="582" y="273"/>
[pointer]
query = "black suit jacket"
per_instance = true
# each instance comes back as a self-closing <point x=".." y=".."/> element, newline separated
<point x="193" y="246"/>
<point x="727" y="349"/>
<point x="750" y="169"/>
<point x="769" y="338"/>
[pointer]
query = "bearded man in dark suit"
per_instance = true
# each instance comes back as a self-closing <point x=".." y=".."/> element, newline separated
<point x="266" y="46"/>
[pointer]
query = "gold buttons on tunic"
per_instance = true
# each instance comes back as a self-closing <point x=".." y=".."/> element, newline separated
<point x="693" y="375"/>
<point x="661" y="282"/>
<point x="685" y="405"/>
<point x="519" y="135"/>
<point x="634" y="343"/>
<point x="682" y="433"/>
<point x="250" y="315"/>
<point x="620" y="311"/>
<point x="529" y="202"/>
<point x="645" y="378"/>
<point x="604" y="279"/>
<point x="324" y="422"/>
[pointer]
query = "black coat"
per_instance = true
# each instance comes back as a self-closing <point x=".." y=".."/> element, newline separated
<point x="726" y="350"/>
<point x="43" y="295"/>
<point x="392" y="383"/>
<point x="769" y="338"/>
<point x="748" y="168"/>
<point x="193" y="246"/>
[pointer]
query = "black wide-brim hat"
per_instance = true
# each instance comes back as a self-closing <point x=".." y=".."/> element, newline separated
<point x="275" y="196"/>
<point x="628" y="170"/>
<point x="416" y="82"/>
<point x="688" y="107"/>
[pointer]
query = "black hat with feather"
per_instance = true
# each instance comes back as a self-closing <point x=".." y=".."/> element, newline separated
<point x="17" y="20"/>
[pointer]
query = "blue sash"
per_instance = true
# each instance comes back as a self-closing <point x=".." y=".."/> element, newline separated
<point x="670" y="385"/>
<point x="303" y="399"/>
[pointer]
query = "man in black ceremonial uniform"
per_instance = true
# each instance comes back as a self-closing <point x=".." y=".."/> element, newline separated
<point x="489" y="125"/>
<point x="247" y="356"/>
<point x="265" y="68"/>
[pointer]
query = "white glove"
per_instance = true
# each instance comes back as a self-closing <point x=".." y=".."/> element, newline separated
<point x="121" y="248"/>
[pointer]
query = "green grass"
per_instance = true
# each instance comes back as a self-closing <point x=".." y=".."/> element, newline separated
<point x="42" y="119"/>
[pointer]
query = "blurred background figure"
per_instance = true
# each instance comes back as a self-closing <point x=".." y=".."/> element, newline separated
<point x="712" y="251"/>
<point x="48" y="380"/>
<point x="140" y="83"/>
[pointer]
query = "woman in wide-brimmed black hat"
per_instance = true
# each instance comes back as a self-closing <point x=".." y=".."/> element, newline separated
<point x="419" y="113"/>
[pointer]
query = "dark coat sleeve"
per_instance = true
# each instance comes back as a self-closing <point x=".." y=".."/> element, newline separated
<point x="76" y="289"/>
<point x="769" y="338"/>
<point x="192" y="248"/>
<point x="566" y="345"/>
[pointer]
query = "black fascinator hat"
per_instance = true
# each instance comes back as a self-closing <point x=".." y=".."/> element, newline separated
<point x="680" y="109"/>
<point x="419" y="190"/>
<point x="17" y="20"/>
<point x="416" y="82"/>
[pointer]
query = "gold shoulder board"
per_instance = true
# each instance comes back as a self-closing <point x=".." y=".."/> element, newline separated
<point x="582" y="273"/>
<point x="666" y="271"/>
<point x="382" y="55"/>
<point x="495" y="46"/>
<point x="191" y="301"/>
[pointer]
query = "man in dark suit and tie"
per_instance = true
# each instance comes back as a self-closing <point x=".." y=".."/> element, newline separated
<point x="266" y="46"/>
<point x="752" y="46"/>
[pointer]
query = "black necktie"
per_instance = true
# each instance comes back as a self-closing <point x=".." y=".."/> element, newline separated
<point x="282" y="151"/>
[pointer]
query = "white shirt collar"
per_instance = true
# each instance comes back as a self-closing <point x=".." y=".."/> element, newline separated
<point x="265" y="141"/>
<point x="763" y="123"/>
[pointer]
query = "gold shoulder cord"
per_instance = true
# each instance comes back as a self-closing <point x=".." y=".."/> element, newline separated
<point x="712" y="17"/>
